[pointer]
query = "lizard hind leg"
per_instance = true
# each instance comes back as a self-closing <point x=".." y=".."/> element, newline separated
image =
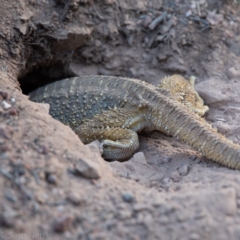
<point x="116" y="129"/>
<point x="123" y="145"/>
<point x="117" y="143"/>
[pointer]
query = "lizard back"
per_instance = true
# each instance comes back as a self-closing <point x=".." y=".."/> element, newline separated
<point x="74" y="100"/>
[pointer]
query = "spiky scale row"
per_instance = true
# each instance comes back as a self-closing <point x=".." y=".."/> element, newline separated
<point x="113" y="109"/>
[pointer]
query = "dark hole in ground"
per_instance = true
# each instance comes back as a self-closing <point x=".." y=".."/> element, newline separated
<point x="41" y="76"/>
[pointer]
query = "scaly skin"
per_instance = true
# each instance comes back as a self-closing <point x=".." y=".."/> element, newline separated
<point x="183" y="90"/>
<point x="113" y="109"/>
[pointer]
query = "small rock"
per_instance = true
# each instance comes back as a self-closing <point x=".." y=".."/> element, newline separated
<point x="166" y="180"/>
<point x="125" y="214"/>
<point x="153" y="184"/>
<point x="62" y="223"/>
<point x="183" y="170"/>
<point x="51" y="178"/>
<point x="188" y="13"/>
<point x="6" y="105"/>
<point x="146" y="21"/>
<point x="139" y="207"/>
<point x="20" y="226"/>
<point x="7" y="221"/>
<point x="87" y="170"/>
<point x="128" y="197"/>
<point x="212" y="97"/>
<point x="139" y="157"/>
<point x="43" y="149"/>
<point x="13" y="100"/>
<point x="233" y="73"/>
<point x="4" y="95"/>
<point x="98" y="43"/>
<point x="8" y="218"/>
<point x="158" y="201"/>
<point x="41" y="197"/>
<point x="91" y="168"/>
<point x="19" y="169"/>
<point x="228" y="201"/>
<point x="13" y="112"/>
<point x="175" y="176"/>
<point x="214" y="18"/>
<point x="75" y="199"/>
<point x="10" y="197"/>
<point x="177" y="145"/>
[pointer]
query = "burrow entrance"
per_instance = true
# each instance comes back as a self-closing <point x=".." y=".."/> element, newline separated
<point x="43" y="75"/>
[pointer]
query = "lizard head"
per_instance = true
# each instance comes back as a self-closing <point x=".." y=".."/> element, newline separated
<point x="183" y="91"/>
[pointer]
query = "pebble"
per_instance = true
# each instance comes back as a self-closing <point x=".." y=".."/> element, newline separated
<point x="214" y="18"/>
<point x="146" y="21"/>
<point x="128" y="197"/>
<point x="4" y="95"/>
<point x="41" y="197"/>
<point x="13" y="100"/>
<point x="10" y="197"/>
<point x="89" y="168"/>
<point x="6" y="105"/>
<point x="183" y="170"/>
<point x="166" y="180"/>
<point x="13" y="112"/>
<point x="175" y="176"/>
<point x="139" y="207"/>
<point x="20" y="226"/>
<point x="233" y="73"/>
<point x="51" y="178"/>
<point x="8" y="218"/>
<point x="62" y="223"/>
<point x="125" y="214"/>
<point x="177" y="145"/>
<point x="7" y="221"/>
<point x="139" y="157"/>
<point x="188" y="13"/>
<point x="75" y="199"/>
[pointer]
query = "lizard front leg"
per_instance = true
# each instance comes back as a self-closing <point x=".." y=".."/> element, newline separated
<point x="116" y="130"/>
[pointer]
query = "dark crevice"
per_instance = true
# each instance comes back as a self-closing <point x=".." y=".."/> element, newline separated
<point x="43" y="75"/>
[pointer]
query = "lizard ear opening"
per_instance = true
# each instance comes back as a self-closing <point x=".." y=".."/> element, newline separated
<point x="42" y="75"/>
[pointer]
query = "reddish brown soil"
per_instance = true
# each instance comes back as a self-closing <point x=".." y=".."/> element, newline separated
<point x="54" y="187"/>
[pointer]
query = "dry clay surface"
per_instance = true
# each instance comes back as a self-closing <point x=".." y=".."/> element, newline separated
<point x="54" y="187"/>
<point x="166" y="191"/>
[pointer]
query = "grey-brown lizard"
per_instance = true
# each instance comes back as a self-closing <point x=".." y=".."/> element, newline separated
<point x="113" y="109"/>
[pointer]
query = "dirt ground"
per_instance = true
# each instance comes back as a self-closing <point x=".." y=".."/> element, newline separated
<point x="54" y="187"/>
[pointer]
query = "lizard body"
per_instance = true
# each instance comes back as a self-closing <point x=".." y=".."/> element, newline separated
<point x="113" y="109"/>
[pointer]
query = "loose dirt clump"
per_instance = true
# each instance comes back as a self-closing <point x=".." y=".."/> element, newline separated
<point x="54" y="187"/>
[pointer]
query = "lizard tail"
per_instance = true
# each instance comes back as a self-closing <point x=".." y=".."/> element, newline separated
<point x="196" y="132"/>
